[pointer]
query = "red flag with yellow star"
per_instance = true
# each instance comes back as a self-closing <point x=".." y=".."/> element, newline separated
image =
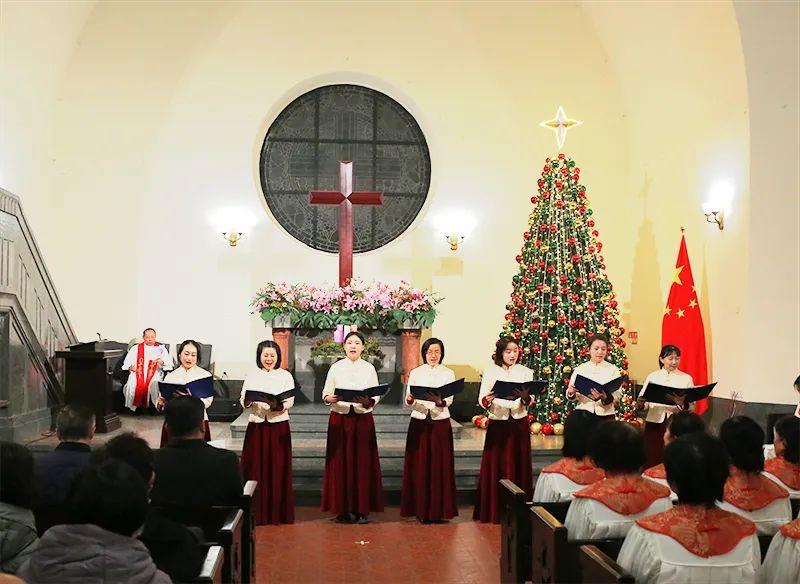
<point x="683" y="324"/>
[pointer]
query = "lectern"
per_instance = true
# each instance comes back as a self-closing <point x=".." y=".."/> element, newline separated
<point x="88" y="371"/>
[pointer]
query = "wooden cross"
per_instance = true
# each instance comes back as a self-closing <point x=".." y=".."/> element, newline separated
<point x="345" y="198"/>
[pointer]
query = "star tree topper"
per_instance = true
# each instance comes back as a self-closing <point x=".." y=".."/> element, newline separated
<point x="560" y="124"/>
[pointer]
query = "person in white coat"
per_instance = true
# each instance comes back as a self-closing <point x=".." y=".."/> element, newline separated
<point x="601" y="371"/>
<point x="146" y="361"/>
<point x="782" y="562"/>
<point x="188" y="355"/>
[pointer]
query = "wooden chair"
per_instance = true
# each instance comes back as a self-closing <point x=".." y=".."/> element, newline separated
<point x="557" y="510"/>
<point x="598" y="568"/>
<point x="515" y="534"/>
<point x="211" y="572"/>
<point x="248" y="534"/>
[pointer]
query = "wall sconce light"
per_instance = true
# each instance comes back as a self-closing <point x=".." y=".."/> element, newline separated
<point x="719" y="200"/>
<point x="714" y="216"/>
<point x="232" y="237"/>
<point x="454" y="240"/>
<point x="455" y="225"/>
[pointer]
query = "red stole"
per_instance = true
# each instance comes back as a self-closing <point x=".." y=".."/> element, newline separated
<point x="625" y="495"/>
<point x="143" y="379"/>
<point x="791" y="529"/>
<point x="787" y="472"/>
<point x="578" y="471"/>
<point x="750" y="492"/>
<point x="705" y="532"/>
<point x="656" y="472"/>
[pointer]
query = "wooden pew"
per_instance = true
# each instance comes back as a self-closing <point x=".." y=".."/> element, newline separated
<point x="248" y="534"/>
<point x="515" y="534"/>
<point x="598" y="568"/>
<point x="211" y="572"/>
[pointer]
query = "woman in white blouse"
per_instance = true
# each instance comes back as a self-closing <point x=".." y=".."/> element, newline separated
<point x="429" y="482"/>
<point x="782" y="562"/>
<point x="695" y="542"/>
<point x="507" y="447"/>
<point x="267" y="450"/>
<point x="601" y="371"/>
<point x="657" y="414"/>
<point x="784" y="468"/>
<point x="188" y="356"/>
<point x="352" y="485"/>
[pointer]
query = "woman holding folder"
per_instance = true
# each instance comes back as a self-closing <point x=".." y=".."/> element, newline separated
<point x="267" y="450"/>
<point x="188" y="355"/>
<point x="429" y="483"/>
<point x="657" y="414"/>
<point x="600" y="371"/>
<point x="507" y="448"/>
<point x="352" y="485"/>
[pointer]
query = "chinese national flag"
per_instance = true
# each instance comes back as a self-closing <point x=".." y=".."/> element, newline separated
<point x="683" y="324"/>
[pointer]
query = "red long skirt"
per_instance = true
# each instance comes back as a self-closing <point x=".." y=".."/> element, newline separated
<point x="429" y="482"/>
<point x="352" y="482"/>
<point x="654" y="443"/>
<point x="506" y="455"/>
<point x="267" y="458"/>
<point x="165" y="436"/>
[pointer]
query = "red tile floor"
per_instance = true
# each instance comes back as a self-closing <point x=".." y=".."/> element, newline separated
<point x="390" y="549"/>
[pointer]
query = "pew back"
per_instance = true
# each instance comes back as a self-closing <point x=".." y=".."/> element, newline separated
<point x="211" y="572"/>
<point x="598" y="568"/>
<point x="515" y="534"/>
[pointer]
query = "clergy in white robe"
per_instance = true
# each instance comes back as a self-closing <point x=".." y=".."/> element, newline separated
<point x="188" y="371"/>
<point x="599" y="370"/>
<point x="146" y="361"/>
<point x="782" y="562"/>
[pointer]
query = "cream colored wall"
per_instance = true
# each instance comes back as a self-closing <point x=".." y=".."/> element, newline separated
<point x="162" y="113"/>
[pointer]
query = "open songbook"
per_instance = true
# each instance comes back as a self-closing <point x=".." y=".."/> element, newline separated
<point x="584" y="385"/>
<point x="350" y="395"/>
<point x="201" y="388"/>
<point x="658" y="393"/>
<point x="506" y="389"/>
<point x="254" y="395"/>
<point x="443" y="391"/>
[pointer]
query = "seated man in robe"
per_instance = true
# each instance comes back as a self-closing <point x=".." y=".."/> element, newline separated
<point x="609" y="507"/>
<point x="146" y="362"/>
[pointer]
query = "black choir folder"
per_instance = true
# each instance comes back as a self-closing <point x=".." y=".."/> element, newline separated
<point x="658" y="393"/>
<point x="584" y="385"/>
<point x="349" y="395"/>
<point x="254" y="395"/>
<point x="198" y="388"/>
<point x="506" y="389"/>
<point x="443" y="391"/>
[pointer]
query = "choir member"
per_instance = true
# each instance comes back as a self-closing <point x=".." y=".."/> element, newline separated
<point x="657" y="414"/>
<point x="558" y="481"/>
<point x="784" y="469"/>
<point x="782" y="562"/>
<point x="695" y="542"/>
<point x="748" y="492"/>
<point x="188" y="356"/>
<point x="352" y="484"/>
<point x="267" y="450"/>
<point x="146" y="362"/>
<point x="507" y="447"/>
<point x="677" y="425"/>
<point x="601" y="371"/>
<point x="429" y="483"/>
<point x="609" y="507"/>
<point x="797" y="389"/>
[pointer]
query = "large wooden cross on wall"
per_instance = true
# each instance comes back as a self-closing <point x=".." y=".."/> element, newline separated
<point x="345" y="198"/>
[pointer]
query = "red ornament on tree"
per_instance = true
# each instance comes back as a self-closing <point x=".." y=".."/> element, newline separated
<point x="547" y="429"/>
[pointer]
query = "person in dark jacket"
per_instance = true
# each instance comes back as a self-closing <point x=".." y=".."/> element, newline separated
<point x="17" y="529"/>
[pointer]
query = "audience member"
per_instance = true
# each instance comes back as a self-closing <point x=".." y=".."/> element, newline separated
<point x="17" y="527"/>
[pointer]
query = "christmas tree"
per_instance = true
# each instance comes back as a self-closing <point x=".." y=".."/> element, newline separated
<point x="561" y="295"/>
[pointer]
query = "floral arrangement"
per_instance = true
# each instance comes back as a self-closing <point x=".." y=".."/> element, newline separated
<point x="327" y="347"/>
<point x="372" y="305"/>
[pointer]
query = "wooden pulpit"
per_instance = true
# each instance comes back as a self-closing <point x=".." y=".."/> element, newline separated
<point x="88" y="374"/>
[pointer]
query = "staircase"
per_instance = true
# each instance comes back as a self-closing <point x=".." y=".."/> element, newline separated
<point x="33" y="326"/>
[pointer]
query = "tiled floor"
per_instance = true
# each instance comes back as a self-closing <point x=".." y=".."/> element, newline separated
<point x="390" y="549"/>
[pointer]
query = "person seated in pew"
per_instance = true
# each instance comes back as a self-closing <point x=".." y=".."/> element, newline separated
<point x="695" y="542"/>
<point x="17" y="527"/>
<point x="56" y="470"/>
<point x="608" y="508"/>
<point x="748" y="492"/>
<point x="188" y="355"/>
<point x="677" y="425"/>
<point x="109" y="502"/>
<point x="782" y="562"/>
<point x="784" y="469"/>
<point x="558" y="481"/>
<point x="189" y="471"/>
<point x="175" y="548"/>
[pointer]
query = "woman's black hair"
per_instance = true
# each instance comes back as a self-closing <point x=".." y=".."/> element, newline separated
<point x="268" y="345"/>
<point x="16" y="475"/>
<point x="578" y="429"/>
<point x="502" y="345"/>
<point x="598" y="337"/>
<point x="182" y="346"/>
<point x="427" y="345"/>
<point x="666" y="351"/>
<point x="356" y="334"/>
<point x="744" y="440"/>
<point x="697" y="468"/>
<point x="788" y="428"/>
<point x="684" y="422"/>
<point x="618" y="447"/>
<point x="797" y="383"/>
